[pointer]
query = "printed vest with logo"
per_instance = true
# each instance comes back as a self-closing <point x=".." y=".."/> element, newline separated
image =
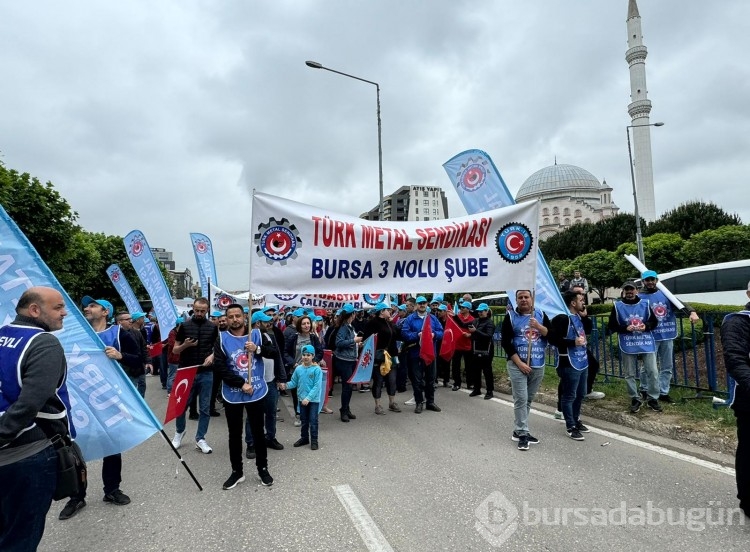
<point x="523" y="335"/>
<point x="664" y="312"/>
<point x="576" y="355"/>
<point x="239" y="362"/>
<point x="633" y="343"/>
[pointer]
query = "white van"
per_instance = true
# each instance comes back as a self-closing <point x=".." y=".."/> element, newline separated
<point x="714" y="284"/>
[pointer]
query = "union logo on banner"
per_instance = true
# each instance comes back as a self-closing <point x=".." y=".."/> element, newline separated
<point x="136" y="245"/>
<point x="115" y="276"/>
<point x="223" y="300"/>
<point x="285" y="297"/>
<point x="277" y="241"/>
<point x="202" y="247"/>
<point x="373" y="299"/>
<point x="473" y="175"/>
<point x="513" y="242"/>
<point x="241" y="361"/>
<point x="660" y="310"/>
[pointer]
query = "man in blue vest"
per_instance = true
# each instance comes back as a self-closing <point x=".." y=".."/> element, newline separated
<point x="33" y="407"/>
<point x="524" y="340"/>
<point x="665" y="332"/>
<point x="422" y="375"/>
<point x="735" y="340"/>
<point x="122" y="347"/>
<point x="632" y="319"/>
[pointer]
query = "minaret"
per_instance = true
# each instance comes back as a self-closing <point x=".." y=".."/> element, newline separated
<point x="639" y="110"/>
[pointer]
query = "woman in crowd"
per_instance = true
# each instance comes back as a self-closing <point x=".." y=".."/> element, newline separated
<point x="346" y="356"/>
<point x="386" y="336"/>
<point x="293" y="352"/>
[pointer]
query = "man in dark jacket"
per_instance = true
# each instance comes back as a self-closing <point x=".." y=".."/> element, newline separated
<point x="483" y="348"/>
<point x="735" y="340"/>
<point x="31" y="411"/>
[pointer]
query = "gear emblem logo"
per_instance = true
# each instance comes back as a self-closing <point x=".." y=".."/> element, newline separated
<point x="277" y="241"/>
<point x="223" y="301"/>
<point x="284" y="298"/>
<point x="136" y="245"/>
<point x="116" y="276"/>
<point x="472" y="177"/>
<point x="373" y="299"/>
<point x="513" y="242"/>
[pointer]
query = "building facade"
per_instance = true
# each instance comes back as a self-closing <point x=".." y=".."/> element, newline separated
<point x="417" y="203"/>
<point x="165" y="257"/>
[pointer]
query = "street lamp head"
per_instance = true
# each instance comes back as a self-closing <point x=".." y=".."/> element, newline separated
<point x="659" y="124"/>
<point x="316" y="65"/>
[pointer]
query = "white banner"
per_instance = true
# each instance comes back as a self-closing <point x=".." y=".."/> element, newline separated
<point x="304" y="249"/>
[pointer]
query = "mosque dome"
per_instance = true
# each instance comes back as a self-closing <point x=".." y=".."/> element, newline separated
<point x="558" y="178"/>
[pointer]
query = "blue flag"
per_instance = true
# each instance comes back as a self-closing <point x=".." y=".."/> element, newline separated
<point x="142" y="259"/>
<point x="363" y="371"/>
<point x="481" y="188"/>
<point x="123" y="288"/>
<point x="204" y="258"/>
<point x="108" y="413"/>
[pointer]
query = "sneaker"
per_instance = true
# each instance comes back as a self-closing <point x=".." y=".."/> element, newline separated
<point x="301" y="442"/>
<point x="644" y="395"/>
<point x="654" y="405"/>
<point x="73" y="506"/>
<point x="379" y="411"/>
<point x="455" y="388"/>
<point x="233" y="480"/>
<point x="351" y="416"/>
<point x="582" y="428"/>
<point x="575" y="434"/>
<point x="202" y="446"/>
<point x="595" y="395"/>
<point x="265" y="477"/>
<point x="475" y="393"/>
<point x="117" y="497"/>
<point x="529" y="437"/>
<point x="411" y="402"/>
<point x="297" y="421"/>
<point x="667" y="399"/>
<point x="250" y="452"/>
<point x="418" y="408"/>
<point x="559" y="415"/>
<point x="393" y="407"/>
<point x="523" y="443"/>
<point x="433" y="407"/>
<point x="274" y="444"/>
<point x="488" y="396"/>
<point x="314" y="445"/>
<point x="177" y="439"/>
<point x="635" y="405"/>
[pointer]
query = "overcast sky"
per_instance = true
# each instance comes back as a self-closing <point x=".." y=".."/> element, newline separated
<point x="163" y="116"/>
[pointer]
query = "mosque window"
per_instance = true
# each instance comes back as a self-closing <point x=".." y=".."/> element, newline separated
<point x="587" y="219"/>
<point x="546" y="221"/>
<point x="555" y="211"/>
<point x="567" y="222"/>
<point x="545" y="212"/>
<point x="578" y="212"/>
<point x="566" y="212"/>
<point x="556" y="220"/>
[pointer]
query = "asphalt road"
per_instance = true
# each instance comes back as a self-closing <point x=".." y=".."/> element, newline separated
<point x="452" y="480"/>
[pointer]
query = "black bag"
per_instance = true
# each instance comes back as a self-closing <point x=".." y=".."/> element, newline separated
<point x="71" y="469"/>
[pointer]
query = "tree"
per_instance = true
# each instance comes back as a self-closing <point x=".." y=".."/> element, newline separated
<point x="598" y="269"/>
<point x="692" y="218"/>
<point x="663" y="252"/>
<point x="586" y="237"/>
<point x="728" y="243"/>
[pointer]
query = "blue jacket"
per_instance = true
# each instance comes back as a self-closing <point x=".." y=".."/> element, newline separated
<point x="307" y="380"/>
<point x="411" y="328"/>
<point x="346" y="349"/>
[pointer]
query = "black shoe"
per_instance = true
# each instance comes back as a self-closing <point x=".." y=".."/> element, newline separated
<point x="488" y="396"/>
<point x="301" y="442"/>
<point x="475" y="393"/>
<point x="274" y="444"/>
<point x="582" y="428"/>
<point x="117" y="497"/>
<point x="250" y="452"/>
<point x="635" y="405"/>
<point x="529" y="437"/>
<point x="654" y="405"/>
<point x="667" y="399"/>
<point x="193" y="416"/>
<point x="644" y="395"/>
<point x="418" y="408"/>
<point x="265" y="477"/>
<point x="433" y="407"/>
<point x="351" y="416"/>
<point x="445" y="384"/>
<point x="73" y="506"/>
<point x="344" y="416"/>
<point x="214" y="413"/>
<point x="314" y="445"/>
<point x="523" y="443"/>
<point x="233" y="480"/>
<point x="576" y="435"/>
<point x="455" y="388"/>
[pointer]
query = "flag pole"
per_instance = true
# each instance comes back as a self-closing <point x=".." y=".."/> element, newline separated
<point x="528" y="353"/>
<point x="182" y="460"/>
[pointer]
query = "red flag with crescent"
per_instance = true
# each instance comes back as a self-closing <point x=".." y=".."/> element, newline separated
<point x="178" y="398"/>
<point x="451" y="333"/>
<point x="427" y="344"/>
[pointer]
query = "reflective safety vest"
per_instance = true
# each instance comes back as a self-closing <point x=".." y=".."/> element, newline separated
<point x="664" y="312"/>
<point x="634" y="343"/>
<point x="523" y="335"/>
<point x="239" y="362"/>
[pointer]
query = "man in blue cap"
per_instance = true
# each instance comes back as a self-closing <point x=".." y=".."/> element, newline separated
<point x="422" y="375"/>
<point x="664" y="334"/>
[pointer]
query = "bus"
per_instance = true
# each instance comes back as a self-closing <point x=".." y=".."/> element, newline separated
<point x="714" y="284"/>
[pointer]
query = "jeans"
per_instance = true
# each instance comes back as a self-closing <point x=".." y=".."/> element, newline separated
<point x="648" y="374"/>
<point x="346" y="369"/>
<point x="422" y="378"/>
<point x="742" y="459"/>
<point x="524" y="388"/>
<point x="202" y="389"/>
<point x="308" y="415"/>
<point x="456" y="367"/>
<point x="573" y="389"/>
<point x="233" y="413"/>
<point x="378" y="379"/>
<point x="25" y="498"/>
<point x="269" y="415"/>
<point x="665" y="365"/>
<point x="140" y="384"/>
<point x="170" y="377"/>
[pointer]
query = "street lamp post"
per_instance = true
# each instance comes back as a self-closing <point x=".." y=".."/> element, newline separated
<point x="638" y="234"/>
<point x="316" y="65"/>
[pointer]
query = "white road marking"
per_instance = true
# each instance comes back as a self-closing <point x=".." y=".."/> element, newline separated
<point x="635" y="442"/>
<point x="372" y="536"/>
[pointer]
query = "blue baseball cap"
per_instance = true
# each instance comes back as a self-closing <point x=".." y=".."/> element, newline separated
<point x="179" y="320"/>
<point x="137" y="316"/>
<point x="87" y="300"/>
<point x="465" y="305"/>
<point x="260" y="316"/>
<point x="482" y="307"/>
<point x="348" y="308"/>
<point x="421" y="299"/>
<point x="402" y="307"/>
<point x="442" y="308"/>
<point x="649" y="274"/>
<point x="381" y="306"/>
<point x="299" y="312"/>
<point x="216" y="314"/>
<point x="308" y="350"/>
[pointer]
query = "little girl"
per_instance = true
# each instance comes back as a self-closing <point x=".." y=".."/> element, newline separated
<point x="307" y="379"/>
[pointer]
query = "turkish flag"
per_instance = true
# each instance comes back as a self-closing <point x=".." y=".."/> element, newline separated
<point x="451" y="333"/>
<point x="427" y="343"/>
<point x="178" y="398"/>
